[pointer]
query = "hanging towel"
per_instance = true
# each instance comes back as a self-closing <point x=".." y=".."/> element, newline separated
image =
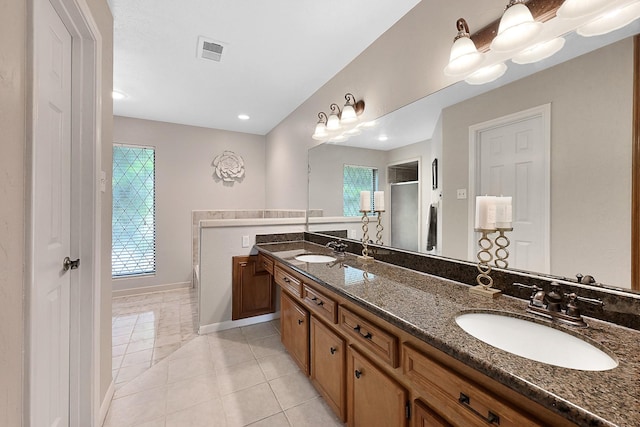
<point x="432" y="235"/>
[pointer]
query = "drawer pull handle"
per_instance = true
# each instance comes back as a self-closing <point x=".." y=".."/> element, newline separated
<point x="286" y="280"/>
<point x="367" y="336"/>
<point x="300" y="321"/>
<point x="491" y="418"/>
<point x="320" y="302"/>
<point x="333" y="350"/>
<point x="314" y="299"/>
<point x="358" y="374"/>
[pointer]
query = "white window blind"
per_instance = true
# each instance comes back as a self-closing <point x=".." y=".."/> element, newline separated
<point x="134" y="211"/>
<point x="355" y="180"/>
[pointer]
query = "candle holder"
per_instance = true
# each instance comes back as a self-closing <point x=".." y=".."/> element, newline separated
<point x="365" y="238"/>
<point x="502" y="242"/>
<point x="485" y="257"/>
<point x="379" y="228"/>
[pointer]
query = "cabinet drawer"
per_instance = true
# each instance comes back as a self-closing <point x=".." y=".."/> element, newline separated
<point x="288" y="281"/>
<point x="265" y="263"/>
<point x="457" y="398"/>
<point x="370" y="336"/>
<point x="320" y="304"/>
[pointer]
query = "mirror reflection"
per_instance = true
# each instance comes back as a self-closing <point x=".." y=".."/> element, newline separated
<point x="555" y="136"/>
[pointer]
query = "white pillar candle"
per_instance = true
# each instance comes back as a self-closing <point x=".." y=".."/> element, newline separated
<point x="378" y="200"/>
<point x="504" y="212"/>
<point x="485" y="212"/>
<point x="365" y="201"/>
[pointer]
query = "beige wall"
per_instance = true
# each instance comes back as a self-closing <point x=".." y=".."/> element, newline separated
<point x="591" y="110"/>
<point x="184" y="183"/>
<point x="13" y="45"/>
<point x="14" y="85"/>
<point x="403" y="65"/>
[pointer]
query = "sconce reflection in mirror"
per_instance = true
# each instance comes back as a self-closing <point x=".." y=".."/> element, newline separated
<point x="340" y="124"/>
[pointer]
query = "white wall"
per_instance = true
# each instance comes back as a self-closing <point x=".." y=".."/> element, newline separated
<point x="218" y="246"/>
<point x="184" y="183"/>
<point x="591" y="110"/>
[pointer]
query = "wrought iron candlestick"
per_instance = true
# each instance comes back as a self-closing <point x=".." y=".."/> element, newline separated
<point x="485" y="257"/>
<point x="365" y="238"/>
<point x="502" y="243"/>
<point x="379" y="228"/>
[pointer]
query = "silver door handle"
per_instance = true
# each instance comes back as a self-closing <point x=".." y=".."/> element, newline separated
<point x="68" y="264"/>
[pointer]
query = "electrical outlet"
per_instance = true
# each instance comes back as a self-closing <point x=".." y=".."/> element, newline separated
<point x="245" y="241"/>
<point x="462" y="193"/>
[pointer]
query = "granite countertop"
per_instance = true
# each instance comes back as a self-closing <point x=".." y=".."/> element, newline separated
<point x="426" y="306"/>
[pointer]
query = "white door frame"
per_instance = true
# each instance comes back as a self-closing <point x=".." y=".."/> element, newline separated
<point x="542" y="111"/>
<point x="86" y="128"/>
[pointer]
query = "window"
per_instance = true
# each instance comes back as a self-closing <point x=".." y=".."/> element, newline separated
<point x="357" y="179"/>
<point x="134" y="212"/>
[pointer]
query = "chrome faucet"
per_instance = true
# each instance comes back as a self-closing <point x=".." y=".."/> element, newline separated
<point x="339" y="247"/>
<point x="552" y="304"/>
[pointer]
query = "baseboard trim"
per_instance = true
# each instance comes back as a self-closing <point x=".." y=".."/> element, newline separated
<point x="149" y="289"/>
<point x="221" y="326"/>
<point x="106" y="403"/>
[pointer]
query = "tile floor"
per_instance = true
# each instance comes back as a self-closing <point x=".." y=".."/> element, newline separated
<point x="147" y="328"/>
<point x="237" y="377"/>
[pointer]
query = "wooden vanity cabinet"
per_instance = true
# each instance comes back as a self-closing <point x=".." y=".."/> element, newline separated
<point x="374" y="399"/>
<point x="294" y="329"/>
<point x="253" y="291"/>
<point x="328" y="364"/>
<point x="424" y="416"/>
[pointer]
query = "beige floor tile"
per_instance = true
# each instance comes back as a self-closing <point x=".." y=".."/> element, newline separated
<point x="198" y="347"/>
<point x="189" y="392"/>
<point x="160" y="353"/>
<point x="239" y="377"/>
<point x="276" y="324"/>
<point x="140" y="345"/>
<point x="231" y="355"/>
<point x="116" y="362"/>
<point x="293" y="389"/>
<point x="277" y="365"/>
<point x="137" y="358"/>
<point x="149" y="326"/>
<point x="158" y="422"/>
<point x="143" y="335"/>
<point x="118" y="350"/>
<point x="277" y="420"/>
<point x="313" y="413"/>
<point x="124" y="321"/>
<point x="137" y="408"/>
<point x="259" y="330"/>
<point x="122" y="339"/>
<point x="151" y="378"/>
<point x="206" y="414"/>
<point x="226" y="338"/>
<point x="130" y="372"/>
<point x="263" y="405"/>
<point x="263" y="347"/>
<point x="162" y="340"/>
<point x="123" y="330"/>
<point x="188" y="367"/>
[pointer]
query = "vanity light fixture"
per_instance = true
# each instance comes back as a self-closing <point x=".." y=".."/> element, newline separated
<point x="611" y="20"/>
<point x="464" y="55"/>
<point x="487" y="74"/>
<point x="572" y="9"/>
<point x="333" y="122"/>
<point x="351" y="110"/>
<point x="539" y="51"/>
<point x="517" y="28"/>
<point x="321" y="132"/>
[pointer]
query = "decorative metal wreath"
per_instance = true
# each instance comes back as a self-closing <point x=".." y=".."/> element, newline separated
<point x="228" y="167"/>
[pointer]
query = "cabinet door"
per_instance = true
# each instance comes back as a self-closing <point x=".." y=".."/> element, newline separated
<point x="294" y="322"/>
<point x="253" y="289"/>
<point x="373" y="398"/>
<point x="423" y="416"/>
<point x="328" y="365"/>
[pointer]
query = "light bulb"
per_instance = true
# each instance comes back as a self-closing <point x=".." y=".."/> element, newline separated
<point x="517" y="28"/>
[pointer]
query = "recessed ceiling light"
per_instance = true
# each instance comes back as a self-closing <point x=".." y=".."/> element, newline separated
<point x="243" y="117"/>
<point x="118" y="95"/>
<point x="383" y="138"/>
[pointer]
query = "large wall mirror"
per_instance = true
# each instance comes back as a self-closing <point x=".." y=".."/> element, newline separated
<point x="581" y="201"/>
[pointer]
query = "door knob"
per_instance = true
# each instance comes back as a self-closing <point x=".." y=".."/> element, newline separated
<point x="69" y="264"/>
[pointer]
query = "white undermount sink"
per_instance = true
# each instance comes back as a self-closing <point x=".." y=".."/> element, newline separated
<point x="315" y="258"/>
<point x="535" y="341"/>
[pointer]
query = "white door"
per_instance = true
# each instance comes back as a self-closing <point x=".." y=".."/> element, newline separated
<point x="512" y="162"/>
<point x="49" y="352"/>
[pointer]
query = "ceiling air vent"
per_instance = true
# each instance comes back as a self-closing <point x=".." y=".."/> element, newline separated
<point x="209" y="49"/>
